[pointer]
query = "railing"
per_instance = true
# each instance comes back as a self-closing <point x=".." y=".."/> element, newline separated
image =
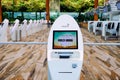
<point x="45" y="43"/>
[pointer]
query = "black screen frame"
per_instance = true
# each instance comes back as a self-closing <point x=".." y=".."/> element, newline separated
<point x="65" y="31"/>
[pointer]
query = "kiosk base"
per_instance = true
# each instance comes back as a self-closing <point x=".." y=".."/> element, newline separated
<point x="60" y="71"/>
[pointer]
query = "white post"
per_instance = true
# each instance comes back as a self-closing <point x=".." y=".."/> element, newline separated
<point x="29" y="31"/>
<point x="18" y="34"/>
<point x="34" y="26"/>
<point x="3" y="31"/>
<point x="40" y="24"/>
<point x="14" y="30"/>
<point x="37" y="25"/>
<point x="23" y="28"/>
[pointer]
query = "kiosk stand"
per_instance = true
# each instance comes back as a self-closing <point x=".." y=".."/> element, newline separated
<point x="65" y="50"/>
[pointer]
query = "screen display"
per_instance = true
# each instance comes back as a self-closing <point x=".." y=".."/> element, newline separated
<point x="65" y="40"/>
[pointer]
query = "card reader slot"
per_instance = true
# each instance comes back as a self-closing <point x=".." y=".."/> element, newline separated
<point x="64" y="72"/>
<point x="64" y="57"/>
<point x="65" y="52"/>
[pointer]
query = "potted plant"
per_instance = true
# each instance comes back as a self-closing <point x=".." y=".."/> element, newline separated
<point x="118" y="5"/>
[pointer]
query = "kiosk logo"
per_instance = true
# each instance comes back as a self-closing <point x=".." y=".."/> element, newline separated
<point x="66" y="25"/>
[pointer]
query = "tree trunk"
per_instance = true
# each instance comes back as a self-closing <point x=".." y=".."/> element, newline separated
<point x="36" y="15"/>
<point x="40" y="14"/>
<point x="0" y="11"/>
<point x="12" y="14"/>
<point x="22" y="13"/>
<point x="95" y="7"/>
<point x="47" y="11"/>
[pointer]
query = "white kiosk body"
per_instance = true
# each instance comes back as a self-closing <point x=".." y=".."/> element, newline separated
<point x="65" y="50"/>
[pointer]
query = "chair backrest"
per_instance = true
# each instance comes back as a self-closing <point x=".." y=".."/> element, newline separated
<point x="118" y="26"/>
<point x="113" y="25"/>
<point x="109" y="25"/>
<point x="99" y="24"/>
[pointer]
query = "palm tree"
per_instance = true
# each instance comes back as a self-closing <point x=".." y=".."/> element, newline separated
<point x="0" y="11"/>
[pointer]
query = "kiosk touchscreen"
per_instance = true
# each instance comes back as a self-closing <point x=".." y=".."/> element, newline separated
<point x="65" y="50"/>
<point x="65" y="40"/>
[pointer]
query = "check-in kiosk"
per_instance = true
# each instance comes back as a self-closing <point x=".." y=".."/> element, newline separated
<point x="65" y="50"/>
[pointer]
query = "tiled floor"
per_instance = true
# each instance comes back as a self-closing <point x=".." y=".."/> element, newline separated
<point x="23" y="62"/>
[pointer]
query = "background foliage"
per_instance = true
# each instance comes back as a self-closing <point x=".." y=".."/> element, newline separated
<point x="39" y="5"/>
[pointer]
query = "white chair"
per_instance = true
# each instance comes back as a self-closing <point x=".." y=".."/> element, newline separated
<point x="98" y="27"/>
<point x="111" y="30"/>
<point x="118" y="29"/>
<point x="90" y="26"/>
